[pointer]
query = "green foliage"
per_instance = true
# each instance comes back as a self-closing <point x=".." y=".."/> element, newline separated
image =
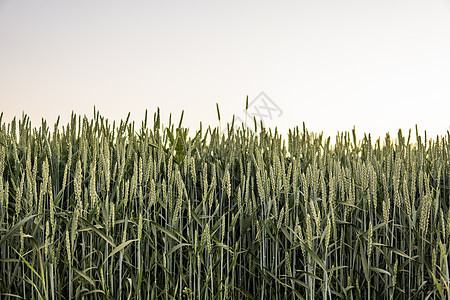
<point x="101" y="211"/>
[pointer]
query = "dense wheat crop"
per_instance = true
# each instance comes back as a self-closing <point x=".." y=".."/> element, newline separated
<point x="93" y="210"/>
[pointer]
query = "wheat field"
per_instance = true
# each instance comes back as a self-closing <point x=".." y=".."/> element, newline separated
<point x="99" y="210"/>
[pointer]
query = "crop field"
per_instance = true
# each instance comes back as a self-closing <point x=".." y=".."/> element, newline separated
<point x="100" y="210"/>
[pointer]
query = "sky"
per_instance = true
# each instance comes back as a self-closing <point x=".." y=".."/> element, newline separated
<point x="374" y="65"/>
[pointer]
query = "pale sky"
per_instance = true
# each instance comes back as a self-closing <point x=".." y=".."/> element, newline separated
<point x="376" y="65"/>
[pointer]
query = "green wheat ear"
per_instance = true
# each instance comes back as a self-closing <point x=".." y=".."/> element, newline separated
<point x="99" y="210"/>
